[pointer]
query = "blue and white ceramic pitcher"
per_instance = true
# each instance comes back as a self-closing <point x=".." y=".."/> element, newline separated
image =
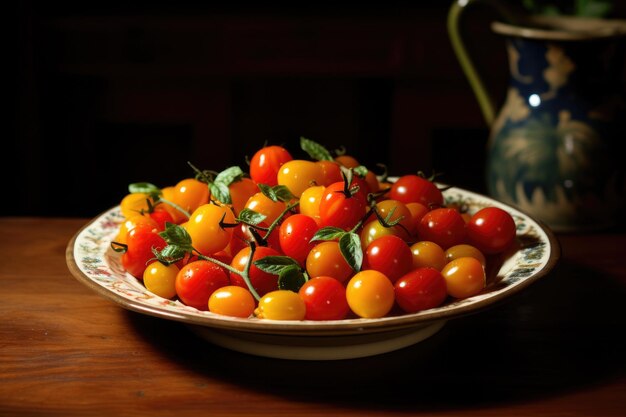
<point x="556" y="145"/>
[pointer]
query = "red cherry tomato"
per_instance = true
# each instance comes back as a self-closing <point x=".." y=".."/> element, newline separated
<point x="295" y="236"/>
<point x="140" y="240"/>
<point x="161" y="216"/>
<point x="390" y="255"/>
<point x="332" y="172"/>
<point x="416" y="189"/>
<point x="266" y="163"/>
<point x="339" y="210"/>
<point x="444" y="226"/>
<point x="197" y="280"/>
<point x="491" y="230"/>
<point x="325" y="299"/>
<point x="262" y="282"/>
<point x="420" y="289"/>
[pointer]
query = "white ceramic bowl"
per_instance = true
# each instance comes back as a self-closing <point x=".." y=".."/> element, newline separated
<point x="92" y="262"/>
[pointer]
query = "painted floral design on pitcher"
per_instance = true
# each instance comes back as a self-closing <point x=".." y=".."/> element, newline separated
<point x="556" y="144"/>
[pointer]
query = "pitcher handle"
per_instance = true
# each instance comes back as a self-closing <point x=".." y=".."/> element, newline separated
<point x="485" y="100"/>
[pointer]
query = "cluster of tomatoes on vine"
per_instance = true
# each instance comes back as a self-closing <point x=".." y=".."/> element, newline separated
<point x="318" y="239"/>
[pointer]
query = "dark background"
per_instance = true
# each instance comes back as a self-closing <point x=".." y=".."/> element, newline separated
<point x="109" y="93"/>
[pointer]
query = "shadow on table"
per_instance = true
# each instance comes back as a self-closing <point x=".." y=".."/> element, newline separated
<point x="563" y="333"/>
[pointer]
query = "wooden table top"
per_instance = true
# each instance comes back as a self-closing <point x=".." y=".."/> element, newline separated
<point x="556" y="349"/>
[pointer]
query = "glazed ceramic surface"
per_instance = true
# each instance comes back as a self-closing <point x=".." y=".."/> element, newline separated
<point x="95" y="264"/>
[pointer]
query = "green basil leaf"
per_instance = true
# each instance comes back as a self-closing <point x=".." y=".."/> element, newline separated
<point x="315" y="150"/>
<point x="171" y="253"/>
<point x="361" y="171"/>
<point x="220" y="192"/>
<point x="268" y="191"/>
<point x="176" y="235"/>
<point x="350" y="247"/>
<point x="291" y="278"/>
<point x="276" y="193"/>
<point x="249" y="216"/>
<point x="143" y="187"/>
<point x="229" y="175"/>
<point x="283" y="193"/>
<point x="328" y="233"/>
<point x="275" y="264"/>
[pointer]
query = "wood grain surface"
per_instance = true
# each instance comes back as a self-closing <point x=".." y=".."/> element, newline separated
<point x="556" y="349"/>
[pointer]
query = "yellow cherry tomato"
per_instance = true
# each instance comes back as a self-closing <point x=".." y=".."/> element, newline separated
<point x="398" y="210"/>
<point x="310" y="202"/>
<point x="298" y="175"/>
<point x="134" y="203"/>
<point x="232" y="301"/>
<point x="281" y="305"/>
<point x="462" y="250"/>
<point x="161" y="279"/>
<point x="370" y="294"/>
<point x="428" y="254"/>
<point x="373" y="230"/>
<point x="465" y="277"/>
<point x="207" y="236"/>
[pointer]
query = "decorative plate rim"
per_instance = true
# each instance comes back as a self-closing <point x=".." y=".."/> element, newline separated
<point x="100" y="276"/>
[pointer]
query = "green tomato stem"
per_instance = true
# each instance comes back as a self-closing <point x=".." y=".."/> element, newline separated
<point x="176" y="206"/>
<point x="245" y="274"/>
<point x="276" y="222"/>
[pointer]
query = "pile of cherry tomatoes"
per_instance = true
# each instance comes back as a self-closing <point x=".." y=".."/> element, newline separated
<point x="315" y="239"/>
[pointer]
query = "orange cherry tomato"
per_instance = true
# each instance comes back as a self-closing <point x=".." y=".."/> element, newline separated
<point x="207" y="236"/>
<point x="370" y="294"/>
<point x="465" y="277"/>
<point x="232" y="301"/>
<point x="264" y="205"/>
<point x="325" y="259"/>
<point x="240" y="193"/>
